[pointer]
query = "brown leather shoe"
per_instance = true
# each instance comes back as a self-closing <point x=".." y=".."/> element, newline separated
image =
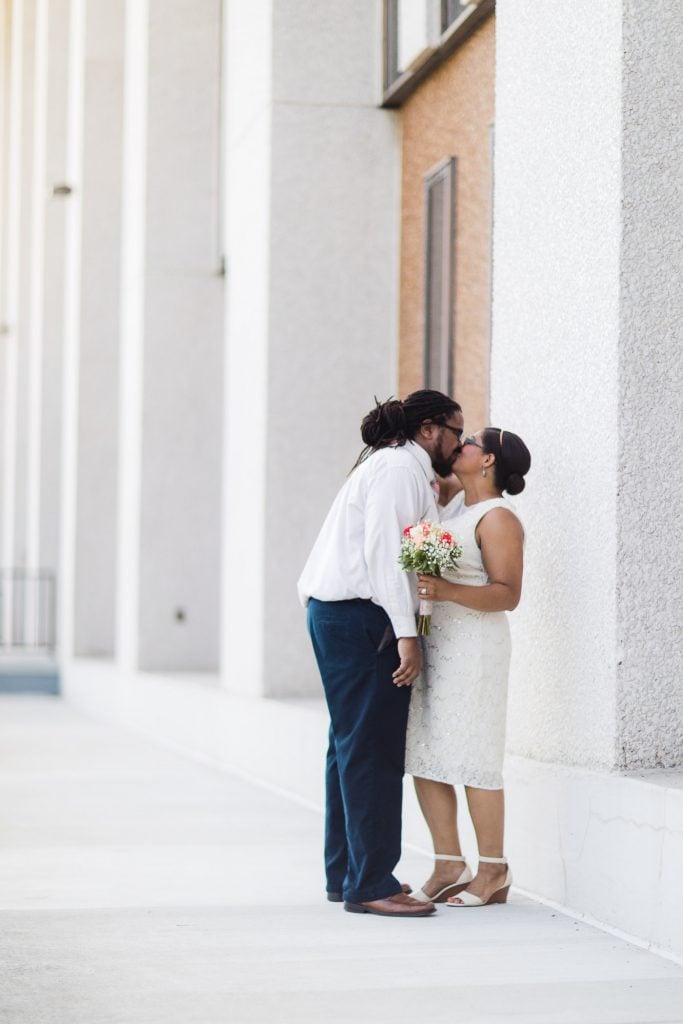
<point x="336" y="897"/>
<point x="399" y="905"/>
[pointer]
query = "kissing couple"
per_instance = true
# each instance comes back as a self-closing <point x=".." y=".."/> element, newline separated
<point x="433" y="706"/>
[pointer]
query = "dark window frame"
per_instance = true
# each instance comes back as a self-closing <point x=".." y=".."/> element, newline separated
<point x="444" y="171"/>
<point x="398" y="85"/>
<point x="450" y="11"/>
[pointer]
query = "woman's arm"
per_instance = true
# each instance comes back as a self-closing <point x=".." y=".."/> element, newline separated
<point x="502" y="551"/>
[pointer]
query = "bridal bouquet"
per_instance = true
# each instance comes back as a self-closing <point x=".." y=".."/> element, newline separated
<point x="428" y="548"/>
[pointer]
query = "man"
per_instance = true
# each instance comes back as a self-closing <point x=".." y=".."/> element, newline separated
<point x="361" y="618"/>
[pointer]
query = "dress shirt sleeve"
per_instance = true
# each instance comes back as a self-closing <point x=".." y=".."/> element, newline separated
<point x="394" y="501"/>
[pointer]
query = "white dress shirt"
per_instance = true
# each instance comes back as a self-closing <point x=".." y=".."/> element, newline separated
<point x="357" y="550"/>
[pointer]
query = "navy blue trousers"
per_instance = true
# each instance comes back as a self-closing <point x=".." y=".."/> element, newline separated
<point x="357" y="653"/>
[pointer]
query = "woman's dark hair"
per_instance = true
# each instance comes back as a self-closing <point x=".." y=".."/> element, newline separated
<point x="394" y="422"/>
<point x="512" y="458"/>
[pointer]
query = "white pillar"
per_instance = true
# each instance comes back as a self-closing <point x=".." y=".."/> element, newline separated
<point x="37" y="281"/>
<point x="98" y="427"/>
<point x="587" y="368"/>
<point x="649" y="654"/>
<point x="312" y="219"/>
<point x="26" y="275"/>
<point x="554" y="377"/>
<point x="248" y="116"/>
<point x="179" y="578"/>
<point x="12" y="204"/>
<point x="5" y="81"/>
<point x="132" y="329"/>
<point x="72" y="323"/>
<point x="31" y="597"/>
<point x="56" y="215"/>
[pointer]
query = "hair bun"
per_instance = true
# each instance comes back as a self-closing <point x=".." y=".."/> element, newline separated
<point x="386" y="422"/>
<point x="514" y="483"/>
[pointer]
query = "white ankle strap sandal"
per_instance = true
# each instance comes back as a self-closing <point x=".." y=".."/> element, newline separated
<point x="448" y="890"/>
<point x="499" y="895"/>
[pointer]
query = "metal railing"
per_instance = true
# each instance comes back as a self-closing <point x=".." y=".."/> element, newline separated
<point x="27" y="610"/>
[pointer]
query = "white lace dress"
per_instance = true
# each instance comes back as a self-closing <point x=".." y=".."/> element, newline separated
<point x="456" y="726"/>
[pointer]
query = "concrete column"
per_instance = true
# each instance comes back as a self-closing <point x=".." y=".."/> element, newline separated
<point x="6" y="66"/>
<point x="96" y="529"/>
<point x="171" y="315"/>
<point x="56" y="207"/>
<point x="554" y="363"/>
<point x="71" y="326"/>
<point x="248" y="128"/>
<point x="36" y="288"/>
<point x="182" y="390"/>
<point x="311" y="320"/>
<point x="11" y="286"/>
<point x="649" y="654"/>
<point x="131" y="341"/>
<point x="28" y="271"/>
<point x="587" y="368"/>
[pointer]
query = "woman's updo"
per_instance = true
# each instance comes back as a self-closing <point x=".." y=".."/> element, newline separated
<point x="512" y="458"/>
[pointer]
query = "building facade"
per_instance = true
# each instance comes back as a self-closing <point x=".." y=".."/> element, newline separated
<point x="225" y="227"/>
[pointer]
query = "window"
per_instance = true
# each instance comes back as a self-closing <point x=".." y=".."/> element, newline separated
<point x="420" y="34"/>
<point x="412" y="28"/>
<point x="439" y="275"/>
<point x="451" y="10"/>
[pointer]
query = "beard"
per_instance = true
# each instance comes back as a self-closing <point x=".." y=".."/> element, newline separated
<point x="440" y="464"/>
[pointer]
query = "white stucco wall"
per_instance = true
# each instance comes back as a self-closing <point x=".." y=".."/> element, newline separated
<point x="555" y="362"/>
<point x="650" y="470"/>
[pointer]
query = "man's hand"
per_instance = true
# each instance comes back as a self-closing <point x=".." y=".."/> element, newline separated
<point x="410" y="652"/>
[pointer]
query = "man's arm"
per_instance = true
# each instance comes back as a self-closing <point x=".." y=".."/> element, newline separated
<point x="394" y="502"/>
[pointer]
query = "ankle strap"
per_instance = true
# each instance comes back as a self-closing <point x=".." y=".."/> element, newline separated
<point x="449" y="856"/>
<point x="493" y="860"/>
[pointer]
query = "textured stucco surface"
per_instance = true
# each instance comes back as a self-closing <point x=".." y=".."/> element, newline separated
<point x="451" y="115"/>
<point x="650" y="470"/>
<point x="554" y="362"/>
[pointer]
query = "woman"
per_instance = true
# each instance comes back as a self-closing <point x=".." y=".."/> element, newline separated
<point x="456" y="726"/>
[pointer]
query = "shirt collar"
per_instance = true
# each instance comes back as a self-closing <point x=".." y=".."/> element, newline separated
<point x="421" y="456"/>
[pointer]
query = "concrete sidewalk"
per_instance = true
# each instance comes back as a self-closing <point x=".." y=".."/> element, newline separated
<point x="137" y="887"/>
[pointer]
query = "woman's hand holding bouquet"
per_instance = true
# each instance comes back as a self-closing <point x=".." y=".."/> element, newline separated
<point x="430" y="550"/>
